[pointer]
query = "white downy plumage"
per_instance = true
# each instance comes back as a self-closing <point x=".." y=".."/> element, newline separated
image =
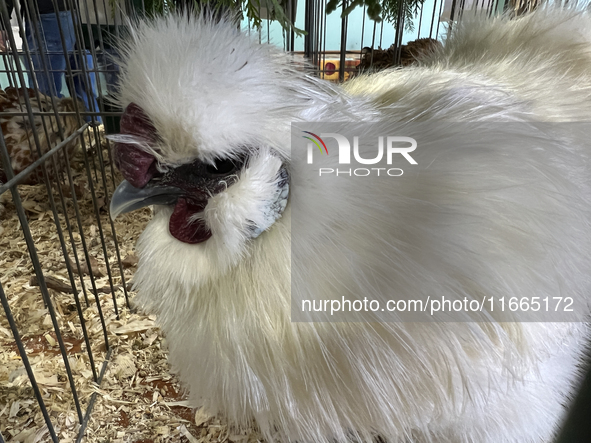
<point x="224" y="304"/>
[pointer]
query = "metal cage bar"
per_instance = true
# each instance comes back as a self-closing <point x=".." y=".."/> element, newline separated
<point x="87" y="76"/>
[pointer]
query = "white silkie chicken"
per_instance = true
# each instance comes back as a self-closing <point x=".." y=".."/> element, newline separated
<point x="205" y="137"/>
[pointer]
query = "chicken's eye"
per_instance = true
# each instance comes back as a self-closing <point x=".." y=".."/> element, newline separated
<point x="222" y="167"/>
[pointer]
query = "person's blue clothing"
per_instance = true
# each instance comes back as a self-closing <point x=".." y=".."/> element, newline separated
<point x="52" y="57"/>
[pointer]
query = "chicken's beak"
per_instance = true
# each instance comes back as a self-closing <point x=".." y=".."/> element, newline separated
<point x="127" y="198"/>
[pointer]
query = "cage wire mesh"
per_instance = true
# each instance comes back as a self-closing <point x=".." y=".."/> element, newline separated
<point x="63" y="275"/>
<point x="340" y="46"/>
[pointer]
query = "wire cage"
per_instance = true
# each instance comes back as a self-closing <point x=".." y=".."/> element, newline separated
<point x="343" y="44"/>
<point x="62" y="278"/>
<point x="65" y="266"/>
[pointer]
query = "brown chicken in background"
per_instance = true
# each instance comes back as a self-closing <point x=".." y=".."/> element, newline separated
<point x="385" y="58"/>
<point x="18" y="130"/>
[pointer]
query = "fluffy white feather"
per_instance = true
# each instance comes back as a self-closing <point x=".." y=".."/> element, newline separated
<point x="224" y="304"/>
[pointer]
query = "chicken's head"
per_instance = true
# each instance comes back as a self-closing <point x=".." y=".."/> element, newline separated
<point x="205" y="132"/>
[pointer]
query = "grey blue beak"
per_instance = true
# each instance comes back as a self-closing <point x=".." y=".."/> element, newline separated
<point x="127" y="198"/>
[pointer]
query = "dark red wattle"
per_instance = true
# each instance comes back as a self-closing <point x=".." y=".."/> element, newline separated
<point x="183" y="230"/>
<point x="136" y="165"/>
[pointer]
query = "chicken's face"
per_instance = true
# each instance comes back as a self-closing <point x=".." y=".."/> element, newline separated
<point x="204" y="137"/>
<point x="234" y="198"/>
<point x="190" y="187"/>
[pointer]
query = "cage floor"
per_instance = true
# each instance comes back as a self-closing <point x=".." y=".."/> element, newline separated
<point x="139" y="400"/>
